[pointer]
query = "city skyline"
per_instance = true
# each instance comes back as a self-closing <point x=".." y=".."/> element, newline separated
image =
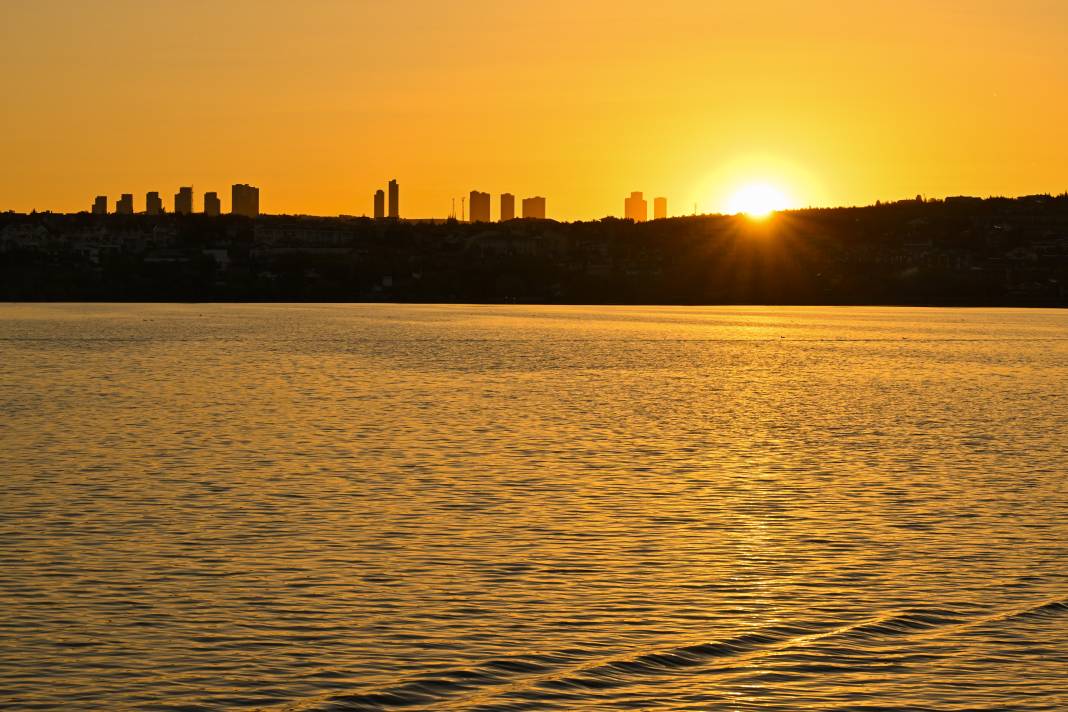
<point x="245" y="200"/>
<point x="833" y="105"/>
<point x="635" y="206"/>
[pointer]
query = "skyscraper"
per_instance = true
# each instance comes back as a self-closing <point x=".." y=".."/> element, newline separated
<point x="183" y="201"/>
<point x="244" y="200"/>
<point x="636" y="207"/>
<point x="380" y="204"/>
<point x="534" y="207"/>
<point x="212" y="205"/>
<point x="153" y="205"/>
<point x="507" y="206"/>
<point x="394" y="199"/>
<point x="100" y="205"/>
<point x="480" y="206"/>
<point x="659" y="208"/>
<point x="124" y="205"/>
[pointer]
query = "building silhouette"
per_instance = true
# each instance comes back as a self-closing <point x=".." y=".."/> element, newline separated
<point x="534" y="207"/>
<point x="480" y="206"/>
<point x="124" y="205"/>
<point x="380" y="204"/>
<point x="394" y="199"/>
<point x="659" y="208"/>
<point x="507" y="206"/>
<point x="183" y="201"/>
<point x="212" y="205"/>
<point x="153" y="204"/>
<point x="636" y="207"/>
<point x="100" y="205"/>
<point x="244" y="200"/>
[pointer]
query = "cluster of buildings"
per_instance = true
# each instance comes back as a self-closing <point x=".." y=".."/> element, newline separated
<point x="636" y="208"/>
<point x="245" y="200"/>
<point x="479" y="203"/>
<point x="394" y="201"/>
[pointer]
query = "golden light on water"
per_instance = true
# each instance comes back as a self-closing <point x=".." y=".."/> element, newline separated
<point x="576" y="507"/>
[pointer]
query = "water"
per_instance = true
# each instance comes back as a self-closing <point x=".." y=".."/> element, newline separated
<point x="472" y="508"/>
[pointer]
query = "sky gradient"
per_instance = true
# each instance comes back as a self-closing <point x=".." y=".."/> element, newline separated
<point x="321" y="103"/>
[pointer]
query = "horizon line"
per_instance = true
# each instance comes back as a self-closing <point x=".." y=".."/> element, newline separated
<point x="918" y="199"/>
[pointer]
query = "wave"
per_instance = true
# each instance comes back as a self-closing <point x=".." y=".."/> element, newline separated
<point x="574" y="674"/>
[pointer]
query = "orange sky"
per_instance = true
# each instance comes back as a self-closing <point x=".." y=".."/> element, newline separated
<point x="321" y="102"/>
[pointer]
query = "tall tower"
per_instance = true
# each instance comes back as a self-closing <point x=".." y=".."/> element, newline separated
<point x="636" y="207"/>
<point x="380" y="204"/>
<point x="244" y="200"/>
<point x="153" y="205"/>
<point x="100" y="205"/>
<point x="659" y="208"/>
<point x="212" y="204"/>
<point x="507" y="206"/>
<point x="394" y="199"/>
<point x="480" y="206"/>
<point x="534" y="207"/>
<point x="124" y="205"/>
<point x="183" y="201"/>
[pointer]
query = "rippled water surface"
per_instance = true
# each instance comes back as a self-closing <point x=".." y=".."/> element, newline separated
<point x="470" y="508"/>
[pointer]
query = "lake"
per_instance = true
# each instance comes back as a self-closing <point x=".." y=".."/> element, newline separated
<point x="349" y="507"/>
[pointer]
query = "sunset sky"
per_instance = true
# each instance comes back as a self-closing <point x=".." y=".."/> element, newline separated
<point x="322" y="102"/>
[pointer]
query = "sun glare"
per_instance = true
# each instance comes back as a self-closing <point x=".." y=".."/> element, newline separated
<point x="757" y="200"/>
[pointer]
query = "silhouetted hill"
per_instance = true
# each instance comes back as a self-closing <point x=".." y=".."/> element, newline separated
<point x="958" y="251"/>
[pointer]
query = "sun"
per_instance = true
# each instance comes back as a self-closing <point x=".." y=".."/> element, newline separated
<point x="757" y="200"/>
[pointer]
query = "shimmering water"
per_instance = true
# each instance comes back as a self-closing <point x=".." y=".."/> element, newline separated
<point x="473" y="508"/>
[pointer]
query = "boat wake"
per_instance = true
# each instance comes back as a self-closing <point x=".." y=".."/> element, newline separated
<point x="574" y="675"/>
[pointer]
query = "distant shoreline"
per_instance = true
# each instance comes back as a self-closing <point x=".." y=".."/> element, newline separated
<point x="958" y="252"/>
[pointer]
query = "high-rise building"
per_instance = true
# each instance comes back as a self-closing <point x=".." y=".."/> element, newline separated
<point x="480" y="206"/>
<point x="100" y="205"/>
<point x="380" y="204"/>
<point x="507" y="206"/>
<point x="212" y="204"/>
<point x="153" y="205"/>
<point x="659" y="208"/>
<point x="636" y="207"/>
<point x="245" y="200"/>
<point x="124" y="205"/>
<point x="183" y="201"/>
<point x="394" y="199"/>
<point x="534" y="207"/>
